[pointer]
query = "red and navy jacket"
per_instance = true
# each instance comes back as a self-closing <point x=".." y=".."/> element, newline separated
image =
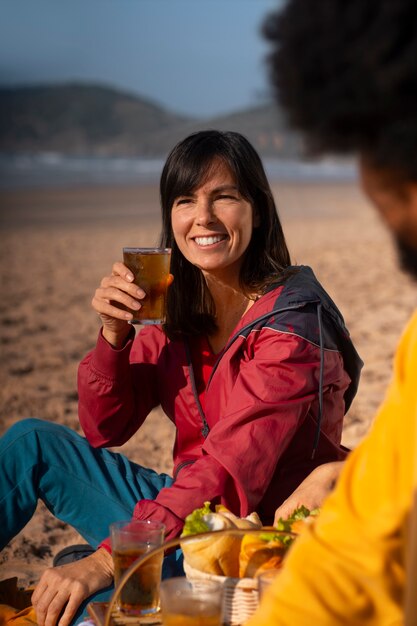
<point x="274" y="404"/>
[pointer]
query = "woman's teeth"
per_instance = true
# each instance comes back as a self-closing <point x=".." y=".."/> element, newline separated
<point x="208" y="241"/>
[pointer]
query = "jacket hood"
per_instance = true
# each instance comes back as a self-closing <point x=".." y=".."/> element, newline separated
<point x="301" y="306"/>
<point x="302" y="288"/>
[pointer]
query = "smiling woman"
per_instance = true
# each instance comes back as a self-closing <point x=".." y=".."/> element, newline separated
<point x="254" y="366"/>
<point x="213" y="226"/>
<point x="214" y="185"/>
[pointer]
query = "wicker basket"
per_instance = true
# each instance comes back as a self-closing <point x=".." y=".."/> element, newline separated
<point x="240" y="595"/>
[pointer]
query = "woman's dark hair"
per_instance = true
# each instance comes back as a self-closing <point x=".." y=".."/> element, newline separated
<point x="345" y="71"/>
<point x="190" y="308"/>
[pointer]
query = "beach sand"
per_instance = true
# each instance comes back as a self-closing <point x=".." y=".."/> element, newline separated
<point x="56" y="245"/>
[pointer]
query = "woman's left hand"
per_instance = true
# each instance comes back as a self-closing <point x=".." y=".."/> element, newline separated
<point x="312" y="491"/>
<point x="62" y="589"/>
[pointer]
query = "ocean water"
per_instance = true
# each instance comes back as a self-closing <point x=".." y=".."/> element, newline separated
<point x="57" y="170"/>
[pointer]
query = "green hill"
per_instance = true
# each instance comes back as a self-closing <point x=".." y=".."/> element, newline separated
<point x="263" y="125"/>
<point x="81" y="119"/>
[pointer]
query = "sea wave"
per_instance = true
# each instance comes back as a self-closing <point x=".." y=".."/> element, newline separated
<point x="50" y="169"/>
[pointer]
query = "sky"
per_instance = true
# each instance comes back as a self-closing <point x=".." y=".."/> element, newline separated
<point x="195" y="57"/>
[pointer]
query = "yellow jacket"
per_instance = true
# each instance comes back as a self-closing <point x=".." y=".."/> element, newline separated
<point x="349" y="568"/>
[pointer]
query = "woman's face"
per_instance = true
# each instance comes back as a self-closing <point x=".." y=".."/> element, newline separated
<point x="213" y="225"/>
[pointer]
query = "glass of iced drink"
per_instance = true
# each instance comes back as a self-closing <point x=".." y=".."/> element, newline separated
<point x="150" y="267"/>
<point x="131" y="540"/>
<point x="191" y="603"/>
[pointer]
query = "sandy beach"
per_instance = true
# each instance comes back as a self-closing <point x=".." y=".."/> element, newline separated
<point x="56" y="245"/>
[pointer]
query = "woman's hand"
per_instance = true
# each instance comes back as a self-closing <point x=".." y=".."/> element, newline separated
<point x="312" y="491"/>
<point x="114" y="294"/>
<point x="61" y="590"/>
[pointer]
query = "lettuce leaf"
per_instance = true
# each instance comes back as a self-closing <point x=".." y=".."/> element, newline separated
<point x="298" y="514"/>
<point x="194" y="522"/>
<point x="301" y="513"/>
<point x="286" y="540"/>
<point x="285" y="525"/>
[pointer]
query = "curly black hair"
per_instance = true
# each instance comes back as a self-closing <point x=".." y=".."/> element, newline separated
<point x="345" y="71"/>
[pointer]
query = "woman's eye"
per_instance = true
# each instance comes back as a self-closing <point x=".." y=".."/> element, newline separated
<point x="183" y="201"/>
<point x="226" y="197"/>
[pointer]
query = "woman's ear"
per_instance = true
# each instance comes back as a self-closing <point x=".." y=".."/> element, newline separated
<point x="256" y="219"/>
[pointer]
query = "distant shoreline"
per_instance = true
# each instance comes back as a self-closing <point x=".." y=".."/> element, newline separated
<point x="54" y="170"/>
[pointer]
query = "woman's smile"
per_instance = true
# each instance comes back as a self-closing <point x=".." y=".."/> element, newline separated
<point x="213" y="224"/>
<point x="209" y="240"/>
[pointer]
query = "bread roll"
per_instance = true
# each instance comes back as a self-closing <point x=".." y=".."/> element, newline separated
<point x="218" y="555"/>
<point x="250" y="521"/>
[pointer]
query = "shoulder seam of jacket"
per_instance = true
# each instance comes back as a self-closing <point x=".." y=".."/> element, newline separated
<point x="276" y="330"/>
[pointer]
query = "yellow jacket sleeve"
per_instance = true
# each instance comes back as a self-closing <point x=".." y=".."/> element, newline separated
<point x="12" y="617"/>
<point x="349" y="567"/>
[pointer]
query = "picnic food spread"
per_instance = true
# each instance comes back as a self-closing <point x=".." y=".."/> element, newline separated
<point x="239" y="556"/>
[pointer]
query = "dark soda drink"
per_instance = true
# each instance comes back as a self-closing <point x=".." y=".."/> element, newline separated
<point x="140" y="594"/>
<point x="150" y="267"/>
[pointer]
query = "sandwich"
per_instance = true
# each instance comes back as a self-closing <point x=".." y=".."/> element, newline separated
<point x="260" y="552"/>
<point x="220" y="554"/>
<point x="239" y="555"/>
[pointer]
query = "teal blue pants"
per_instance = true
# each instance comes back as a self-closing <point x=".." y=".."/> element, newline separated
<point x="85" y="487"/>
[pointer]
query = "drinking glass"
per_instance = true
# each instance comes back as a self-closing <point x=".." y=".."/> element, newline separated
<point x="131" y="540"/>
<point x="150" y="268"/>
<point x="191" y="603"/>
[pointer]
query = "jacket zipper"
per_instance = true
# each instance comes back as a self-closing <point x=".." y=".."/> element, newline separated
<point x="205" y="429"/>
<point x="321" y="346"/>
<point x="181" y="466"/>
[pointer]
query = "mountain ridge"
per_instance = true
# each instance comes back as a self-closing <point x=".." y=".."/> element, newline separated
<point x="98" y="120"/>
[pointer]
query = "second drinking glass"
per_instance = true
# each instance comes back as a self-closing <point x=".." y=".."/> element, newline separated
<point x="131" y="540"/>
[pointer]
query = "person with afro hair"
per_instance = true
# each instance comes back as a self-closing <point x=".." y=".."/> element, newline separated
<point x="345" y="72"/>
